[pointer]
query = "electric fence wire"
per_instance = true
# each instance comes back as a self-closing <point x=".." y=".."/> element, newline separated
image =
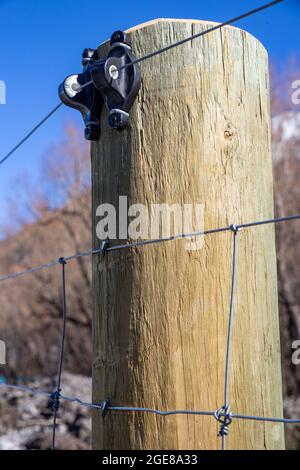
<point x="79" y="88"/>
<point x="36" y="127"/>
<point x="185" y="40"/>
<point x="198" y="35"/>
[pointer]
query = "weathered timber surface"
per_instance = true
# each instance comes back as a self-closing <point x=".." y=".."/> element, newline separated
<point x="199" y="133"/>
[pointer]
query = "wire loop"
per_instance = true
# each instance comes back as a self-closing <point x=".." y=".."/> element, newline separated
<point x="223" y="416"/>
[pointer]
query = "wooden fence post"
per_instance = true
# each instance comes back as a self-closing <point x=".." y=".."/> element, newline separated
<point x="199" y="133"/>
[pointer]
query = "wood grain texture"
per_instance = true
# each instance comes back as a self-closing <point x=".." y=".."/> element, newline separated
<point x="199" y="133"/>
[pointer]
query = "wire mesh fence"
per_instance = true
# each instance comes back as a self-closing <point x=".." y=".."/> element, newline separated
<point x="223" y="415"/>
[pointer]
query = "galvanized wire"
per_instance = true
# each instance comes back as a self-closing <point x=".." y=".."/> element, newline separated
<point x="223" y="415"/>
<point x="55" y="396"/>
<point x="224" y="429"/>
<point x="124" y="246"/>
<point x="130" y="409"/>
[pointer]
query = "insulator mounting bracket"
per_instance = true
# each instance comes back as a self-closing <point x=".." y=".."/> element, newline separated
<point x="112" y="82"/>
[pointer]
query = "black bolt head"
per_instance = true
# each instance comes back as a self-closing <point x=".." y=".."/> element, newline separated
<point x="88" y="53"/>
<point x="118" y="121"/>
<point x="92" y="132"/>
<point x="120" y="36"/>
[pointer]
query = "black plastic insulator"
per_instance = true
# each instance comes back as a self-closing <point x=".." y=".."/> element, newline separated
<point x="92" y="132"/>
<point x="113" y="81"/>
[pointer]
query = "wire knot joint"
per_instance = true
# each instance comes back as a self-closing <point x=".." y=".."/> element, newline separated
<point x="104" y="246"/>
<point x="235" y="228"/>
<point x="62" y="260"/>
<point x="54" y="397"/>
<point x="104" y="407"/>
<point x="224" y="417"/>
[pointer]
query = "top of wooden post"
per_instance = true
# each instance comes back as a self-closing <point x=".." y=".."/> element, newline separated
<point x="156" y="21"/>
<point x="174" y="20"/>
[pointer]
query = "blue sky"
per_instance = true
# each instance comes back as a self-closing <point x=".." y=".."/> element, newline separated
<point x="41" y="43"/>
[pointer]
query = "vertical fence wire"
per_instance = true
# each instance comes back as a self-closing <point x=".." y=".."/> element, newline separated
<point x="227" y="421"/>
<point x="55" y="396"/>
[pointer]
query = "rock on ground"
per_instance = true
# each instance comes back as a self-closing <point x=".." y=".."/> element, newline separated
<point x="26" y="420"/>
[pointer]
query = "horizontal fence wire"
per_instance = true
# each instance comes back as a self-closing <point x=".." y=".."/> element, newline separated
<point x="137" y="244"/>
<point x="99" y="406"/>
<point x="130" y="409"/>
<point x="223" y="415"/>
